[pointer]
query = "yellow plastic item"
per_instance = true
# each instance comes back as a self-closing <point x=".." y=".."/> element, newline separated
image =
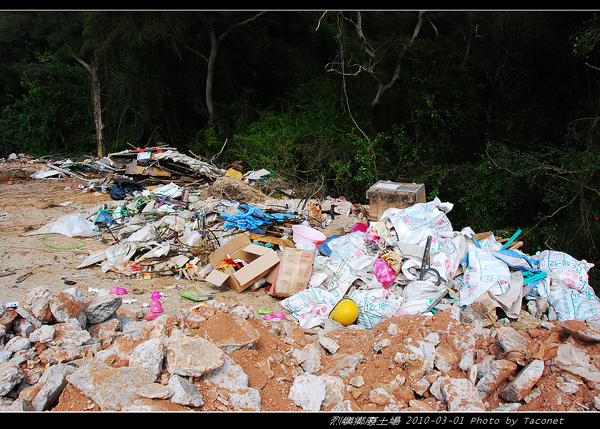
<point x="345" y="312"/>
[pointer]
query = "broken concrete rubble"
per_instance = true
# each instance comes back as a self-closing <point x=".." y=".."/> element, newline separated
<point x="193" y="362"/>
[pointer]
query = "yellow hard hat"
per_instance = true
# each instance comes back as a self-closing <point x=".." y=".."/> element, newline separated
<point x="345" y="312"/>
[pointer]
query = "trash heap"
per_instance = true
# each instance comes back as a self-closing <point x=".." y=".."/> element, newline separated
<point x="313" y="254"/>
<point x="445" y="320"/>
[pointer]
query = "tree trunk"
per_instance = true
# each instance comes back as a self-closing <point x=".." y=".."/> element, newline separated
<point x="212" y="57"/>
<point x="96" y="87"/>
<point x="381" y="86"/>
<point x="97" y="103"/>
<point x="210" y="72"/>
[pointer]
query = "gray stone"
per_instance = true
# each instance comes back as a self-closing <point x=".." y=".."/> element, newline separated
<point x="35" y="306"/>
<point x="246" y="399"/>
<point x="18" y="344"/>
<point x="184" y="392"/>
<point x="334" y="390"/>
<point x="380" y="345"/>
<point x="24" y="328"/>
<point x="102" y="307"/>
<point x="577" y="361"/>
<point x="342" y="407"/>
<point x="57" y="354"/>
<point x="70" y="334"/>
<point x="11" y="374"/>
<point x="345" y="363"/>
<point x="357" y="381"/>
<point x="228" y="376"/>
<point x="498" y="371"/>
<point x="106" y="332"/>
<point x="192" y="356"/>
<point x="5" y="355"/>
<point x="309" y="357"/>
<point x="65" y="306"/>
<point x="415" y="361"/>
<point x="150" y="355"/>
<point x="308" y="391"/>
<point x="20" y="404"/>
<point x="510" y="340"/>
<point x="328" y="344"/>
<point x="520" y="387"/>
<point x="113" y="389"/>
<point x="467" y="360"/>
<point x="43" y="335"/>
<point x="154" y="391"/>
<point x="232" y="377"/>
<point x="53" y="382"/>
<point x="461" y="395"/>
<point x="581" y="331"/>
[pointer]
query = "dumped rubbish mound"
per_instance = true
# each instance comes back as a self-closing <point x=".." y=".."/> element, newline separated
<point x="229" y="188"/>
<point x="63" y="353"/>
<point x="192" y="290"/>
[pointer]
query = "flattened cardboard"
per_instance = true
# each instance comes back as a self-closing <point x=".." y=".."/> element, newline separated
<point x="262" y="260"/>
<point x="293" y="273"/>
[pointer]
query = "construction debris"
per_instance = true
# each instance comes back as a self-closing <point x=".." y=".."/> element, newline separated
<point x="63" y="353"/>
<point x="454" y="320"/>
<point x="410" y="260"/>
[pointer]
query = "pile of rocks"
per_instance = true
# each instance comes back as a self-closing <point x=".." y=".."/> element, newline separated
<point x="223" y="356"/>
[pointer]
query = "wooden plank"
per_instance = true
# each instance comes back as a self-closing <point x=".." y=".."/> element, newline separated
<point x="272" y="240"/>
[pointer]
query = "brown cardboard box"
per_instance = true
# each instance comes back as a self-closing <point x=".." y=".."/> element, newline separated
<point x="293" y="273"/>
<point x="261" y="261"/>
<point x="385" y="194"/>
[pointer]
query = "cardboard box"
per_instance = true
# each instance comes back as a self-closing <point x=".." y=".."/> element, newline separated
<point x="293" y="273"/>
<point x="385" y="194"/>
<point x="261" y="260"/>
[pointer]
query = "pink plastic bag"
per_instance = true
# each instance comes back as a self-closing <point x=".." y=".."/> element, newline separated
<point x="383" y="273"/>
<point x="362" y="227"/>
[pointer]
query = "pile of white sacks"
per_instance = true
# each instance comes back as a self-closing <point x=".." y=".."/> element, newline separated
<point x="470" y="271"/>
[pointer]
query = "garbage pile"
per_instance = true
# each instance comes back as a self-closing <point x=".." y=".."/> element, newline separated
<point x="399" y="312"/>
<point x="314" y="254"/>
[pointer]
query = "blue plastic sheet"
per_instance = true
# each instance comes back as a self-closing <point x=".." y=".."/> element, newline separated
<point x="251" y="219"/>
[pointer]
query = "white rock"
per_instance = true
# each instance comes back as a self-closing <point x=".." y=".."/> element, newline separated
<point x="308" y="391"/>
<point x="11" y="374"/>
<point x="150" y="355"/>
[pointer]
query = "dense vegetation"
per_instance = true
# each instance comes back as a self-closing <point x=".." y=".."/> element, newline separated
<point x="496" y="112"/>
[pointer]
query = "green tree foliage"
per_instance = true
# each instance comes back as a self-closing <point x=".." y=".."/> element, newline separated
<point x="51" y="117"/>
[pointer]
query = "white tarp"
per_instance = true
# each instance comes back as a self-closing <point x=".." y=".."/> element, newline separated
<point x="71" y="225"/>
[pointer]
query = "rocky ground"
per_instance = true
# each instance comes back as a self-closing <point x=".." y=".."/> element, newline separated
<point x="223" y="356"/>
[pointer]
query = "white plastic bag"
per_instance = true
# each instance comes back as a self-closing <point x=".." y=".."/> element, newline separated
<point x="570" y="272"/>
<point x="375" y="305"/>
<point x="418" y="296"/>
<point x="350" y="249"/>
<point x="311" y="306"/>
<point x="483" y="270"/>
<point x="413" y="224"/>
<point x="170" y="190"/>
<point x="117" y="258"/>
<point x="566" y="286"/>
<point x="72" y="225"/>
